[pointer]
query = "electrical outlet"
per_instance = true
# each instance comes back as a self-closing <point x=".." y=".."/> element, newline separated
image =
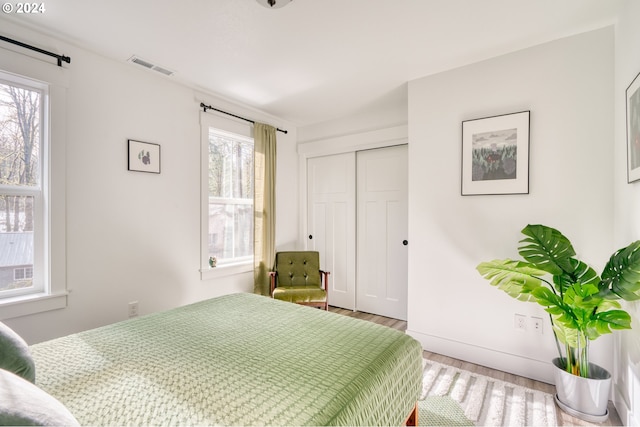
<point x="520" y="322"/>
<point x="536" y="323"/>
<point x="133" y="309"/>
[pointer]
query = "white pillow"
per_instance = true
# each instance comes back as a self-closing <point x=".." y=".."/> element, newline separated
<point x="23" y="403"/>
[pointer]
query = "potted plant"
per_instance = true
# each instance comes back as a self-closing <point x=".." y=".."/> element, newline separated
<point x="582" y="306"/>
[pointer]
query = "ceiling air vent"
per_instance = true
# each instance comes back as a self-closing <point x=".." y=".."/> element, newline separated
<point x="150" y="66"/>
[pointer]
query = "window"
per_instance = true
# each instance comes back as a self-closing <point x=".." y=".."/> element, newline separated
<point x="24" y="273"/>
<point x="22" y="186"/>
<point x="227" y="196"/>
<point x="40" y="211"/>
<point x="230" y="197"/>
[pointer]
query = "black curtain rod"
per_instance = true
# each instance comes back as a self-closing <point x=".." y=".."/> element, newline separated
<point x="60" y="58"/>
<point x="209" y="107"/>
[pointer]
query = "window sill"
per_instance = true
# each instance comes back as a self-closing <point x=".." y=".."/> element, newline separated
<point x="31" y="304"/>
<point x="225" y="270"/>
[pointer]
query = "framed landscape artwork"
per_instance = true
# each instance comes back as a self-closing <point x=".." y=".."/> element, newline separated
<point x="633" y="130"/>
<point x="495" y="155"/>
<point x="144" y="156"/>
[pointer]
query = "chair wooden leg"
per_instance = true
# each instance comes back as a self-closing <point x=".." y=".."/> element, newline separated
<point x="412" y="419"/>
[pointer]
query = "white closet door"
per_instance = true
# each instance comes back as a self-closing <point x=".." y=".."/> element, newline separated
<point x="382" y="184"/>
<point x="331" y="195"/>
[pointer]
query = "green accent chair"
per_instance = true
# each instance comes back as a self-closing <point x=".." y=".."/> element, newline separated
<point x="297" y="278"/>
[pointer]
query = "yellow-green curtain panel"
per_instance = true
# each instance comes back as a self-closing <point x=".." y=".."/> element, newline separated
<point x="264" y="205"/>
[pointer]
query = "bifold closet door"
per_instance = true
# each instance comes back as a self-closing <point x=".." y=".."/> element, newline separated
<point x="382" y="216"/>
<point x="331" y="222"/>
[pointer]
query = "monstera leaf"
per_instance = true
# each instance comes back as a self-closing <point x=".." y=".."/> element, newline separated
<point x="607" y="321"/>
<point x="547" y="248"/>
<point x="561" y="313"/>
<point x="579" y="272"/>
<point x="581" y="310"/>
<point x="516" y="278"/>
<point x="621" y="275"/>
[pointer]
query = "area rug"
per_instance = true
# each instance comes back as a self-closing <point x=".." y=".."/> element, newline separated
<point x="455" y="397"/>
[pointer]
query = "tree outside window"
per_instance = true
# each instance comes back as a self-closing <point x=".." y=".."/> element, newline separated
<point x="20" y="156"/>
<point x="230" y="238"/>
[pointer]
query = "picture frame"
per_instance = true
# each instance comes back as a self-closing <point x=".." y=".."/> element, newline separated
<point x="143" y="156"/>
<point x="495" y="155"/>
<point x="633" y="130"/>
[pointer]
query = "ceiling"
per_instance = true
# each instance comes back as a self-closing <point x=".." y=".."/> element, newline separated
<point x="313" y="60"/>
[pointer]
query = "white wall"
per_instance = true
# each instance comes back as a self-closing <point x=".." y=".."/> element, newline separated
<point x="390" y="111"/>
<point x="627" y="212"/>
<point x="136" y="236"/>
<point x="568" y="87"/>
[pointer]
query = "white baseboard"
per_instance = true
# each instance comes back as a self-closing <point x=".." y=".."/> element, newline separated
<point x="626" y="416"/>
<point x="518" y="365"/>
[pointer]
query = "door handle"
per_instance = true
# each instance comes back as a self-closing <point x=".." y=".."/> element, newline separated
<point x="310" y="236"/>
<point x="405" y="242"/>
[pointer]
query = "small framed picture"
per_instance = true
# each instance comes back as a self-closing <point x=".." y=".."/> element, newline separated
<point x="633" y="130"/>
<point x="144" y="156"/>
<point x="495" y="155"/>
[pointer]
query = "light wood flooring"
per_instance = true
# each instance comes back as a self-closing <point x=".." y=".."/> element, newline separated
<point x="563" y="418"/>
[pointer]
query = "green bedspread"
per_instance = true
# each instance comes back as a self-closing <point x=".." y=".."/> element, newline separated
<point x="239" y="359"/>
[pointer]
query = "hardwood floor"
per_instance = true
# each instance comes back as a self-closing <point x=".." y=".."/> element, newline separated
<point x="564" y="419"/>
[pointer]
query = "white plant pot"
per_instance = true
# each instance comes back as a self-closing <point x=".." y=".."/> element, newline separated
<point x="584" y="398"/>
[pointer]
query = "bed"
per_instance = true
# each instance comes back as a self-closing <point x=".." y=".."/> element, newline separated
<point x="239" y="359"/>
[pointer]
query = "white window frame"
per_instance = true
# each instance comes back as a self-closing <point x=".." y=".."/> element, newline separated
<point x="37" y="191"/>
<point x="49" y="207"/>
<point x="243" y="130"/>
